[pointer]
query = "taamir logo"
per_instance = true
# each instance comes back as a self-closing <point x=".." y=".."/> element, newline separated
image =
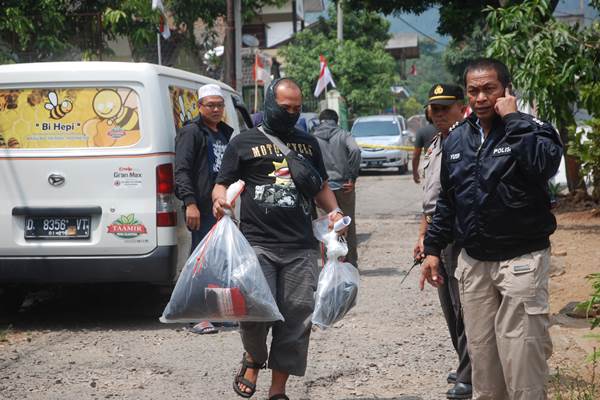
<point x="500" y="151"/>
<point x="127" y="226"/>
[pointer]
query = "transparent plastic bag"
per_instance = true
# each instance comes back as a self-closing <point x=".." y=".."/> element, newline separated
<point x="222" y="280"/>
<point x="337" y="290"/>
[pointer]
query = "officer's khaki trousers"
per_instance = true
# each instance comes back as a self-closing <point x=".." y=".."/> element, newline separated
<point x="505" y="305"/>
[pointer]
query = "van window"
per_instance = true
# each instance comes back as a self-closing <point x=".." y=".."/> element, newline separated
<point x="71" y="117"/>
<point x="184" y="102"/>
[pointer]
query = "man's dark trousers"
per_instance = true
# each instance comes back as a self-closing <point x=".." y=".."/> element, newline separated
<point x="449" y="295"/>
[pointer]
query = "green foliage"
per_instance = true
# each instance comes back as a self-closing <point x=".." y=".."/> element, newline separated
<point x="364" y="27"/>
<point x="430" y="70"/>
<point x="32" y="28"/>
<point x="362" y="70"/>
<point x="39" y="30"/>
<point x="574" y="388"/>
<point x="410" y="107"/>
<point x="457" y="18"/>
<point x="551" y="62"/>
<point x="459" y="52"/>
<point x="594" y="301"/>
<point x="549" y="59"/>
<point x="133" y="19"/>
<point x="586" y="147"/>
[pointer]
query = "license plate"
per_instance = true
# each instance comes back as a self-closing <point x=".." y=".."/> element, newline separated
<point x="57" y="227"/>
<point x="374" y="163"/>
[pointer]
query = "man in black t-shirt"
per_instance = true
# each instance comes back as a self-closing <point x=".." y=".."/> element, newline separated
<point x="275" y="217"/>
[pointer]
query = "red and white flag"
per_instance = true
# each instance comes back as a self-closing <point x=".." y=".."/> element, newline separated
<point x="163" y="26"/>
<point x="260" y="73"/>
<point x="325" y="77"/>
<point x="468" y="112"/>
<point x="413" y="70"/>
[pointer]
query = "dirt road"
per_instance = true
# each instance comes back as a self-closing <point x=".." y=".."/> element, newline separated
<point x="107" y="343"/>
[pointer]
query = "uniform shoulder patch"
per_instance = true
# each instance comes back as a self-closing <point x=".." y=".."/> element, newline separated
<point x="537" y="121"/>
<point x="456" y="124"/>
<point x="533" y="119"/>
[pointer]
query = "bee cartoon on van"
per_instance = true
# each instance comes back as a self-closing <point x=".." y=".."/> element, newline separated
<point x="184" y="115"/>
<point x="8" y="100"/>
<point x="36" y="97"/>
<point x="108" y="105"/>
<point x="117" y="123"/>
<point x="58" y="111"/>
<point x="12" y="143"/>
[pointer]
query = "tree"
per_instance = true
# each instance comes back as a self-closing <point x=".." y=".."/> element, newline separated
<point x="363" y="71"/>
<point x="457" y="18"/>
<point x="36" y="30"/>
<point x="429" y="70"/>
<point x="410" y="107"/>
<point x="366" y="28"/>
<point x="551" y="63"/>
<point x="30" y="30"/>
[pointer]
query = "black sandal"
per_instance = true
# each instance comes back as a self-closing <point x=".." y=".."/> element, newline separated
<point x="279" y="396"/>
<point x="240" y="380"/>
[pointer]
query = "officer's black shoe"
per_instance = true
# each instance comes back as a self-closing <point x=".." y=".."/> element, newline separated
<point x="452" y="377"/>
<point x="460" y="391"/>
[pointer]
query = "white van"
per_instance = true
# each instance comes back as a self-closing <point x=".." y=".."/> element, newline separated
<point x="86" y="170"/>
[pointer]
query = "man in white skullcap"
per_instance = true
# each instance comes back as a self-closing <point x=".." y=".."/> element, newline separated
<point x="199" y="148"/>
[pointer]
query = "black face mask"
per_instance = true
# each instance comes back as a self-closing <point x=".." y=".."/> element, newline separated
<point x="277" y="120"/>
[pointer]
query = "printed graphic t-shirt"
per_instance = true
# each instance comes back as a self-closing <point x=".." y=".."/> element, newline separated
<point x="217" y="142"/>
<point x="273" y="212"/>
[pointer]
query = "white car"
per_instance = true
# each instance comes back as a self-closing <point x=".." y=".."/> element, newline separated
<point x="86" y="165"/>
<point x="378" y="137"/>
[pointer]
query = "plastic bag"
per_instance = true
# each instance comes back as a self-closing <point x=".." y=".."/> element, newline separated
<point x="222" y="279"/>
<point x="337" y="290"/>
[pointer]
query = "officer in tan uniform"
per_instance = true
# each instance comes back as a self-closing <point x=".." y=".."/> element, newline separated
<point x="446" y="109"/>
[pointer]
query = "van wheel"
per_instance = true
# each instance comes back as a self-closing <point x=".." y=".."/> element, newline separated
<point x="11" y="299"/>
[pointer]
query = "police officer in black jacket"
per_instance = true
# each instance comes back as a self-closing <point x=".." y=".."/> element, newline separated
<point x="495" y="203"/>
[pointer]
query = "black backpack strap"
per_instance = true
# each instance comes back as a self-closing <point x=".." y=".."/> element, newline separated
<point x="276" y="141"/>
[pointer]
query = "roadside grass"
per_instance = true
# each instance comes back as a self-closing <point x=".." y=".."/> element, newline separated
<point x="4" y="333"/>
<point x="567" y="387"/>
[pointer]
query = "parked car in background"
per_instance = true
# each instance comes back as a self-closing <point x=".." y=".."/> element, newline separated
<point x="377" y="135"/>
<point x="307" y="121"/>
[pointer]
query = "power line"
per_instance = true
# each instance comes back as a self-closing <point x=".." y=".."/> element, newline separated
<point x="421" y="32"/>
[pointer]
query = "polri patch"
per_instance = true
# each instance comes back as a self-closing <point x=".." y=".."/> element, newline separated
<point x="500" y="151"/>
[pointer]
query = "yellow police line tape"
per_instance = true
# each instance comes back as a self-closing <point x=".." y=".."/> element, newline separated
<point x="386" y="147"/>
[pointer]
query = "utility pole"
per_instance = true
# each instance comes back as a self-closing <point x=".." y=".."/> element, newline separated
<point x="230" y="47"/>
<point x="294" y="17"/>
<point x="237" y="11"/>
<point x="340" y="21"/>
